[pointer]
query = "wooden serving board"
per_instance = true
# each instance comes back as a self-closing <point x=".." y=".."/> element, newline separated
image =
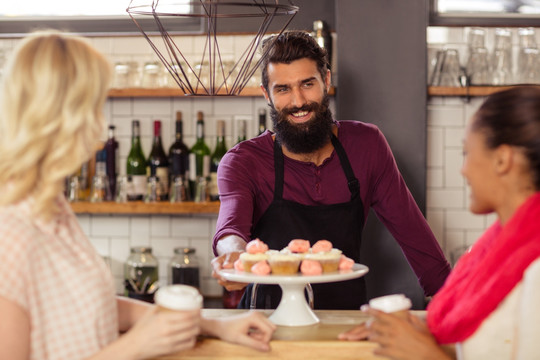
<point x="317" y="341"/>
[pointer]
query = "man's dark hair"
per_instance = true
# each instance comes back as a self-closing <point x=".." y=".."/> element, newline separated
<point x="290" y="46"/>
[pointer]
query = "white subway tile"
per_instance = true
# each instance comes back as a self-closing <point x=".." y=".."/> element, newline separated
<point x="434" y="178"/>
<point x="203" y="251"/>
<point x="435" y="147"/>
<point x="452" y="168"/>
<point x="472" y="235"/>
<point x="101" y="245"/>
<point x="463" y="220"/>
<point x="453" y="137"/>
<point x="445" y="199"/>
<point x="154" y="108"/>
<point x="121" y="107"/>
<point x="106" y="225"/>
<point x="231" y="106"/>
<point x="140" y="230"/>
<point x="160" y="226"/>
<point x="190" y="227"/>
<point x="472" y="107"/>
<point x="445" y="115"/>
<point x="120" y="250"/>
<point x="164" y="247"/>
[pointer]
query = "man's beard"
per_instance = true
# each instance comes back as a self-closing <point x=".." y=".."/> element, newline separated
<point x="306" y="137"/>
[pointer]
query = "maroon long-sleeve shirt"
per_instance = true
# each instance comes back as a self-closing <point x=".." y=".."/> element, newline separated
<point x="246" y="187"/>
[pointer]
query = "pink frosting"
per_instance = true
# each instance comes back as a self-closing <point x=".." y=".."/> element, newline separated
<point x="299" y="245"/>
<point x="256" y="246"/>
<point x="261" y="268"/>
<point x="238" y="266"/>
<point x="345" y="263"/>
<point x="321" y="246"/>
<point x="311" y="267"/>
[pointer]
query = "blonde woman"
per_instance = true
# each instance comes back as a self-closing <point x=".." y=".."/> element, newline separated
<point x="57" y="297"/>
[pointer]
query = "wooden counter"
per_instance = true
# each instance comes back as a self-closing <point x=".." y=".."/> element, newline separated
<point x="317" y="341"/>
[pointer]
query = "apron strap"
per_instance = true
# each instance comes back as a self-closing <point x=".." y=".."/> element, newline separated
<point x="352" y="181"/>
<point x="279" y="167"/>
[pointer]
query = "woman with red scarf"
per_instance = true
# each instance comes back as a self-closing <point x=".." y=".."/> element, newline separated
<point x="489" y="306"/>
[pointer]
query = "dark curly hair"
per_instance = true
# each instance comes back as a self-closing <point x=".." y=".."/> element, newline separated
<point x="290" y="46"/>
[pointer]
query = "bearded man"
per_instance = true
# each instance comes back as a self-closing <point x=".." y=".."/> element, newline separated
<point x="315" y="178"/>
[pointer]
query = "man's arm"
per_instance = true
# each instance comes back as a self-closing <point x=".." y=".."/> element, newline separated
<point x="229" y="249"/>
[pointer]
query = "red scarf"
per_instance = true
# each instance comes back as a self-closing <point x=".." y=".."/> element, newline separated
<point x="486" y="274"/>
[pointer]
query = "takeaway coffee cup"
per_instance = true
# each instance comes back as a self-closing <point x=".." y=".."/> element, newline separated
<point x="397" y="304"/>
<point x="178" y="298"/>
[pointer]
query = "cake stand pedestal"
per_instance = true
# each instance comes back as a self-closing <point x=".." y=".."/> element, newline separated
<point x="293" y="309"/>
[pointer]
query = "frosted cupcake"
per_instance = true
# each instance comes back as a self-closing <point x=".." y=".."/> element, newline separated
<point x="248" y="260"/>
<point x="283" y="263"/>
<point x="329" y="259"/>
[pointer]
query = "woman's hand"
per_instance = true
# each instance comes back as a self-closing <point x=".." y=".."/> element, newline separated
<point x="160" y="332"/>
<point x="403" y="339"/>
<point x="250" y="329"/>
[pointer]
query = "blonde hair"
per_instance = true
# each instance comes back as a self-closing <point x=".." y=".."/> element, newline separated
<point x="54" y="90"/>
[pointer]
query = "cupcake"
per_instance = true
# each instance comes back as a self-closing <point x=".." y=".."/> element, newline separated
<point x="282" y="263"/>
<point x="328" y="259"/>
<point x="248" y="260"/>
<point x="299" y="246"/>
<point x="256" y="246"/>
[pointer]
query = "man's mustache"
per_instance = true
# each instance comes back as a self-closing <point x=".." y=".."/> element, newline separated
<point x="313" y="106"/>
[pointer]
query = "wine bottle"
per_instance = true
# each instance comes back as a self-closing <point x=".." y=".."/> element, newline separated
<point x="136" y="165"/>
<point x="178" y="152"/>
<point x="218" y="153"/>
<point x="242" y="131"/>
<point x="158" y="164"/>
<point x="111" y="154"/>
<point x="200" y="149"/>
<point x="262" y="120"/>
<point x="322" y="35"/>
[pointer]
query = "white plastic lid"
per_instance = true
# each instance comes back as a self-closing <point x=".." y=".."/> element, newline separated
<point x="391" y="303"/>
<point x="178" y="297"/>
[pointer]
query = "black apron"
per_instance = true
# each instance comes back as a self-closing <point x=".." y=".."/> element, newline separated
<point x="341" y="224"/>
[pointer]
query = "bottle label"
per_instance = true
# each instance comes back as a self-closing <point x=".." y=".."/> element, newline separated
<point x="163" y="174"/>
<point x="138" y="188"/>
<point x="213" y="187"/>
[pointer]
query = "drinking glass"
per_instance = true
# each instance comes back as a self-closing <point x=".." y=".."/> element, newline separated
<point x="99" y="189"/>
<point x="450" y="70"/>
<point x="478" y="68"/>
<point x="122" y="185"/>
<point x="152" y="75"/>
<point x="530" y="72"/>
<point x="179" y="190"/>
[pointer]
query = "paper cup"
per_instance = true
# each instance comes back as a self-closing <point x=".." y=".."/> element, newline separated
<point x="397" y="304"/>
<point x="178" y="298"/>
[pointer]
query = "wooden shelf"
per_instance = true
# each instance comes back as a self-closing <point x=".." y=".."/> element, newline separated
<point x="466" y="91"/>
<point x="139" y="207"/>
<point x="176" y="92"/>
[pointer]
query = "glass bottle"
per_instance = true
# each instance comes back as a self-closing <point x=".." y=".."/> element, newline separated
<point x="141" y="274"/>
<point x="184" y="267"/>
<point x="136" y="165"/>
<point x="262" y="120"/>
<point x="218" y="153"/>
<point x="200" y="166"/>
<point x="242" y="131"/>
<point x="179" y="155"/>
<point x="321" y="33"/>
<point x="111" y="154"/>
<point x="158" y="164"/>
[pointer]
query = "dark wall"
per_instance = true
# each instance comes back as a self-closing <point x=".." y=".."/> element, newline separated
<point x="310" y="10"/>
<point x="382" y="80"/>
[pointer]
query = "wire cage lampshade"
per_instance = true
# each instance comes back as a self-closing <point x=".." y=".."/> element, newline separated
<point x="213" y="73"/>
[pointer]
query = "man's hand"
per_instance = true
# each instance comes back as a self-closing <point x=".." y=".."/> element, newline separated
<point x="226" y="261"/>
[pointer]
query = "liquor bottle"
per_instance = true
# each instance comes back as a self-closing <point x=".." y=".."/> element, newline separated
<point x="178" y="153"/>
<point x="158" y="164"/>
<point x="200" y="149"/>
<point x="321" y="33"/>
<point x="262" y="120"/>
<point x="111" y="154"/>
<point x="218" y="153"/>
<point x="242" y="131"/>
<point x="136" y="165"/>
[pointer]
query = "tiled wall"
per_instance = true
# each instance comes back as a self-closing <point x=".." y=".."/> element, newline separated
<point x="447" y="196"/>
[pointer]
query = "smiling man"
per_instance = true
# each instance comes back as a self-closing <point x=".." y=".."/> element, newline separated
<point x="315" y="178"/>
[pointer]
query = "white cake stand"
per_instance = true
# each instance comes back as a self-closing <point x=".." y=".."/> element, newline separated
<point x="293" y="309"/>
